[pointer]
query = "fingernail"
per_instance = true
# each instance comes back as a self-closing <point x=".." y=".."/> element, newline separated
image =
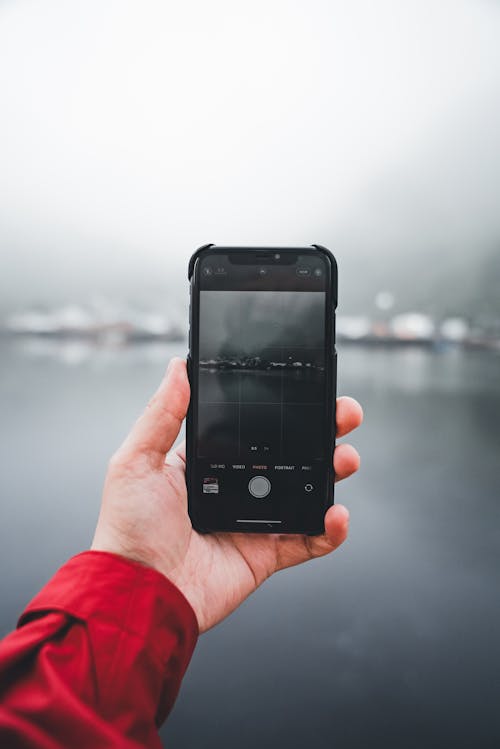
<point x="345" y="512"/>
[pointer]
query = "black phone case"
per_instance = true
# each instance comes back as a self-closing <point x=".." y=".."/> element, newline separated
<point x="331" y="391"/>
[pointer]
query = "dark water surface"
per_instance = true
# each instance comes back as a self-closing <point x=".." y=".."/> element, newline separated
<point x="392" y="641"/>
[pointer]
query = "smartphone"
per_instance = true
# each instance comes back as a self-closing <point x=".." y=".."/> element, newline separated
<point x="262" y="365"/>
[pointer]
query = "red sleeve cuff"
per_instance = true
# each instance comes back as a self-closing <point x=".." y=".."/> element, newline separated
<point x="140" y="624"/>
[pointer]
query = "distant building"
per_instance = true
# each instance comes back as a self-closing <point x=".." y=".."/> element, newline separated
<point x="413" y="326"/>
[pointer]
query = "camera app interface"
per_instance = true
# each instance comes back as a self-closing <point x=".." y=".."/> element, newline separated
<point x="261" y="397"/>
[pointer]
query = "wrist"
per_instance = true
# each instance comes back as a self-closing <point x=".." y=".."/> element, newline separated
<point x="107" y="545"/>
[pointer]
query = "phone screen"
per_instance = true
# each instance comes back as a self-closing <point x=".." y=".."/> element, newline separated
<point x="261" y="432"/>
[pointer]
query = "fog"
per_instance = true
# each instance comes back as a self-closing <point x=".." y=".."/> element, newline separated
<point x="132" y="132"/>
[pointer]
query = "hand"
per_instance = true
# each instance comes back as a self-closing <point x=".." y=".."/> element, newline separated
<point x="144" y="511"/>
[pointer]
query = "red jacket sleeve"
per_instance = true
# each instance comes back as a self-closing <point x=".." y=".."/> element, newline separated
<point x="97" y="658"/>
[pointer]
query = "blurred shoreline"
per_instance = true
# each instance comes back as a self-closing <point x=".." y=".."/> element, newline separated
<point x="106" y="326"/>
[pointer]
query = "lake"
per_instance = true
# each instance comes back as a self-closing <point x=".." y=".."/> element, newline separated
<point x="392" y="641"/>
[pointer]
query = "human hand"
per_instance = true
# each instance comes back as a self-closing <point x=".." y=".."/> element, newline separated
<point x="144" y="511"/>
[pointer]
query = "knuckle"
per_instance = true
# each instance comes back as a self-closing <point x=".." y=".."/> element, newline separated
<point x="119" y="461"/>
<point x="135" y="463"/>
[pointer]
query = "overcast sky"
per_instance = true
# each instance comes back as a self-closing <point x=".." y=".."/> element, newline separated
<point x="133" y="131"/>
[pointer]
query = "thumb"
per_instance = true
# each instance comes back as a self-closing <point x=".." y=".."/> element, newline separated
<point x="156" y="429"/>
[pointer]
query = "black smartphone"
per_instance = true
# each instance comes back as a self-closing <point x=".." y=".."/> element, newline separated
<point x="260" y="431"/>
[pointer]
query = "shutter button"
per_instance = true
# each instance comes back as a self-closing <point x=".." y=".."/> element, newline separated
<point x="259" y="487"/>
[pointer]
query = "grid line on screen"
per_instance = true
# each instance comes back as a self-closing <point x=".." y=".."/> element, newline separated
<point x="238" y="368"/>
